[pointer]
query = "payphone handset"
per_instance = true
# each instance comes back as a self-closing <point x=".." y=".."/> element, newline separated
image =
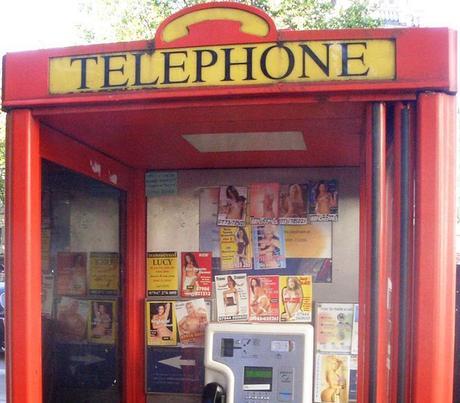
<point x="259" y="362"/>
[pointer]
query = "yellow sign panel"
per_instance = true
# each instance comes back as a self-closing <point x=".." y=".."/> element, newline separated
<point x="249" y="64"/>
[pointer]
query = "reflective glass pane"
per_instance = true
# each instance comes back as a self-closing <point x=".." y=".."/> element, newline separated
<point x="81" y="288"/>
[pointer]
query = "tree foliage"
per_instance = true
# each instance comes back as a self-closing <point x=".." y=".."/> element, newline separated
<point x="123" y="20"/>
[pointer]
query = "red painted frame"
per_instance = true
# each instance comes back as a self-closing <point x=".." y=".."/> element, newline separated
<point x="434" y="167"/>
<point x="434" y="299"/>
<point x="23" y="259"/>
<point x="57" y="148"/>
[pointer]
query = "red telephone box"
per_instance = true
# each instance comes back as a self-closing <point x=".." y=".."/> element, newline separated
<point x="109" y="150"/>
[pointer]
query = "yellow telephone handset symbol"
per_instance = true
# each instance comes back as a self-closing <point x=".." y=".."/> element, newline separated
<point x="251" y="24"/>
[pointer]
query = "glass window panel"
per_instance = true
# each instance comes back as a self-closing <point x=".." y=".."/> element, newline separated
<point x="81" y="288"/>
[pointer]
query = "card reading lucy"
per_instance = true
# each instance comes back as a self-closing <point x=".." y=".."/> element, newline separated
<point x="192" y="318"/>
<point x="161" y="323"/>
<point x="296" y="298"/>
<point x="293" y="204"/>
<point x="324" y="201"/>
<point x="263" y="298"/>
<point x="162" y="274"/>
<point x="232" y="205"/>
<point x="264" y="203"/>
<point x="235" y="248"/>
<point x="103" y="320"/>
<point x="196" y="274"/>
<point x="232" y="297"/>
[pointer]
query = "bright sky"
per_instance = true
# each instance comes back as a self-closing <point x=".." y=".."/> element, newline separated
<point x="35" y="24"/>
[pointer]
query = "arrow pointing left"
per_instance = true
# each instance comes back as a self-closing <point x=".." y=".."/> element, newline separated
<point x="177" y="362"/>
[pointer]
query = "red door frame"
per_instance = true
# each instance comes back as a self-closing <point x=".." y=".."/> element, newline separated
<point x="434" y="300"/>
<point x="28" y="143"/>
<point x="23" y="257"/>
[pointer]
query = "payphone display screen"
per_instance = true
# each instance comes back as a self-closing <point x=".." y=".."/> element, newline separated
<point x="258" y="378"/>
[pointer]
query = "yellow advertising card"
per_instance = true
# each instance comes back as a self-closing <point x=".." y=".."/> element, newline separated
<point x="162" y="274"/>
<point x="102" y="327"/>
<point x="235" y="248"/>
<point x="104" y="273"/>
<point x="161" y="323"/>
<point x="296" y="296"/>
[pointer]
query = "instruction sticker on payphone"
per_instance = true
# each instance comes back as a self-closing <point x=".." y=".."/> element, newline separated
<point x="247" y="363"/>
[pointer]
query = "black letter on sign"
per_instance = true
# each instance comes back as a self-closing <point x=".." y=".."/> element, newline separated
<point x="138" y="79"/>
<point x="263" y="62"/>
<point x="169" y="66"/>
<point x="346" y="59"/>
<point x="323" y="66"/>
<point x="108" y="70"/>
<point x="200" y="65"/>
<point x="229" y="64"/>
<point x="83" y="61"/>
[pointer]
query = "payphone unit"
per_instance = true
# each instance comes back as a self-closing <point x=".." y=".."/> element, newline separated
<point x="247" y="363"/>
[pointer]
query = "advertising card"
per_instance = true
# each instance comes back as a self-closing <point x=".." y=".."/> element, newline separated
<point x="264" y="203"/>
<point x="71" y="273"/>
<point x="232" y="205"/>
<point x="72" y="319"/>
<point x="104" y="273"/>
<point x="324" y="201"/>
<point x="196" y="272"/>
<point x="296" y="296"/>
<point x="47" y="295"/>
<point x="269" y="247"/>
<point x="334" y="326"/>
<point x="353" y="389"/>
<point x="161" y="323"/>
<point x="46" y="249"/>
<point x="103" y="322"/>
<point x="209" y="231"/>
<point x="263" y="298"/>
<point x="235" y="248"/>
<point x="310" y="241"/>
<point x="293" y="204"/>
<point x="162" y="274"/>
<point x="354" y="335"/>
<point x="332" y="376"/>
<point x="232" y="297"/>
<point x="192" y="318"/>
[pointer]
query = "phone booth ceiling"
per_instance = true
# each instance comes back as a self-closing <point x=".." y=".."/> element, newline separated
<point x="154" y="138"/>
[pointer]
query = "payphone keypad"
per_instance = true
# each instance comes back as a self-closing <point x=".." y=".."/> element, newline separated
<point x="266" y="367"/>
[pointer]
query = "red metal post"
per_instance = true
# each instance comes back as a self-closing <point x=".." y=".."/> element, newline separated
<point x="434" y="321"/>
<point x="23" y="259"/>
<point x="134" y="286"/>
<point x="365" y="259"/>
